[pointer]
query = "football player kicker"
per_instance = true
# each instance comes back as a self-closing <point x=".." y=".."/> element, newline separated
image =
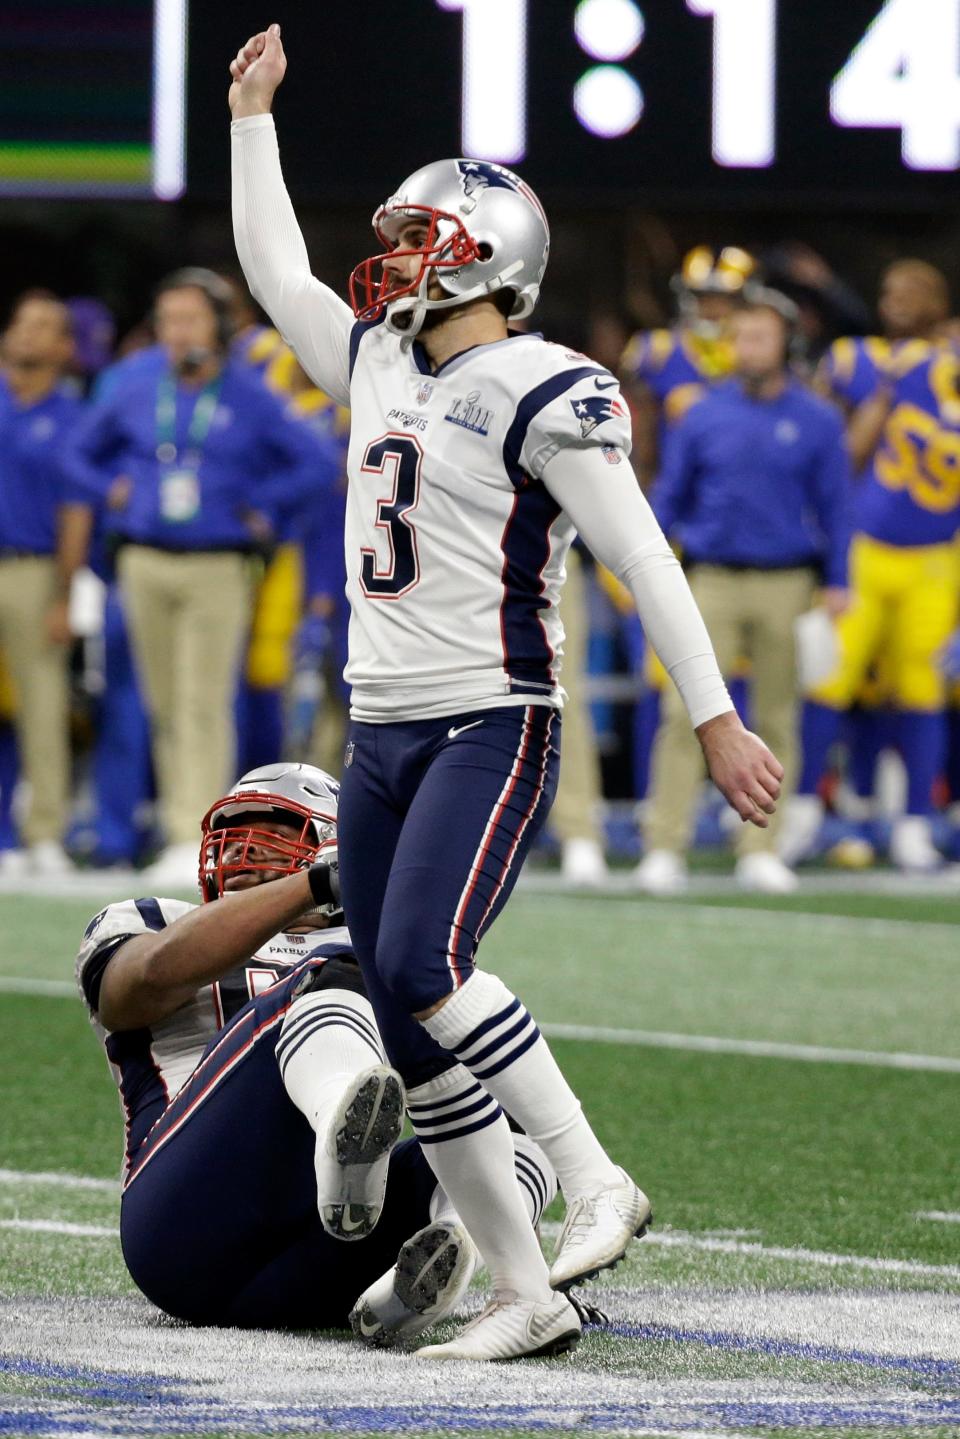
<point x="475" y="453"/>
<point x="259" y="1113"/>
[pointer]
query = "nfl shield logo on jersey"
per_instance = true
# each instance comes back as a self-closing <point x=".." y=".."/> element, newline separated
<point x="424" y="392"/>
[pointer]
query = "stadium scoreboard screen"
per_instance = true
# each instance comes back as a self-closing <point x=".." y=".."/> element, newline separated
<point x="659" y="101"/>
<point x="92" y="101"/>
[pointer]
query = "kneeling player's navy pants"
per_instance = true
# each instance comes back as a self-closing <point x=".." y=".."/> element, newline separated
<point x="219" y="1221"/>
<point x="435" y="821"/>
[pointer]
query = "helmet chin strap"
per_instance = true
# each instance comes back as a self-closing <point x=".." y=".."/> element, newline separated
<point x="417" y="306"/>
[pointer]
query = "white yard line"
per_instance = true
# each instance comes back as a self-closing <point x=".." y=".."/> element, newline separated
<point x="58" y="1226"/>
<point x="679" y="1239"/>
<point x="705" y="916"/>
<point x="760" y="1048"/>
<point x="645" y="1038"/>
<point x="47" y="1177"/>
<point x="939" y="1216"/>
<point x="50" y="988"/>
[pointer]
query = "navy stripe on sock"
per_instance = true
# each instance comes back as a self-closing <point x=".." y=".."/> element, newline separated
<point x="337" y="1008"/>
<point x="537" y="1203"/>
<point x="288" y="1053"/>
<point x="470" y="1040"/>
<point x="432" y="1104"/>
<point x="425" y="1121"/>
<point x="348" y="1016"/>
<point x="460" y="1133"/>
<point x="498" y="1043"/>
<point x="321" y="1021"/>
<point x="526" y="1168"/>
<point x="510" y="1058"/>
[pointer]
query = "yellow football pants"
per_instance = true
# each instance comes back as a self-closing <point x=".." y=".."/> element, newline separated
<point x="903" y="609"/>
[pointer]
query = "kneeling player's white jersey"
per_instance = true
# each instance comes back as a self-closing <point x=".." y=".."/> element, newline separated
<point x="150" y="1065"/>
<point x="455" y="550"/>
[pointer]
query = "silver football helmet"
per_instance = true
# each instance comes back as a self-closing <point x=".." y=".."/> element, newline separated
<point x="303" y="797"/>
<point x="486" y="232"/>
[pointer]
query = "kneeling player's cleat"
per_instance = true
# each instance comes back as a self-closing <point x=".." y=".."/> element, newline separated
<point x="512" y="1328"/>
<point x="431" y="1276"/>
<point x="596" y="1231"/>
<point x="353" y="1152"/>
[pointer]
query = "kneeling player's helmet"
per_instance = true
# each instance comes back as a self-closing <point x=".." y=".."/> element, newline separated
<point x="232" y="841"/>
<point x="486" y="233"/>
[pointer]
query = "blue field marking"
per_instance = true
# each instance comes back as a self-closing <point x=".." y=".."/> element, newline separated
<point x="947" y="1370"/>
<point x="113" y="1403"/>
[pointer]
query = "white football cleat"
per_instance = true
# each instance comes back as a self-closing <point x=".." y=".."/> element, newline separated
<point x="912" y="847"/>
<point x="431" y="1276"/>
<point x="764" y="873"/>
<point x="661" y="872"/>
<point x="596" y="1231"/>
<point x="800" y="827"/>
<point x="582" y="862"/>
<point x="353" y="1152"/>
<point x="511" y="1328"/>
<point x="50" y="859"/>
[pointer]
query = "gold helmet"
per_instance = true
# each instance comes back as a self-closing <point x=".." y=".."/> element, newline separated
<point x="708" y="272"/>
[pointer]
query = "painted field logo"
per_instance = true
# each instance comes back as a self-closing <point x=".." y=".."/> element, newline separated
<point x="470" y="414"/>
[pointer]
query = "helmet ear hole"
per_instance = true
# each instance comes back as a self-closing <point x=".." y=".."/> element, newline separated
<point x="485" y="249"/>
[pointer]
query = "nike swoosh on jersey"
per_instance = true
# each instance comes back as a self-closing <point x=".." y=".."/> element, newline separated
<point x="452" y="733"/>
<point x="606" y="384"/>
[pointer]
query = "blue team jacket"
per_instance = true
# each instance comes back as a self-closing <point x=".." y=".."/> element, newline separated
<point x="257" y="456"/>
<point x="763" y="484"/>
<point x="33" y="483"/>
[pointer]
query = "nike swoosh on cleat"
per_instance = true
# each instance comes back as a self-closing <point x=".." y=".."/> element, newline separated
<point x="452" y="733"/>
<point x="348" y="1226"/>
<point x="369" y="1330"/>
<point x="607" y="384"/>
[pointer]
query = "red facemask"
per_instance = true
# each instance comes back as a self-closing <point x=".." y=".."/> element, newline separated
<point x="244" y="849"/>
<point x="372" y="288"/>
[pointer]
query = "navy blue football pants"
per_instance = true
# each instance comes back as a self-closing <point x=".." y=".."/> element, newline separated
<point x="435" y="820"/>
<point x="219" y="1221"/>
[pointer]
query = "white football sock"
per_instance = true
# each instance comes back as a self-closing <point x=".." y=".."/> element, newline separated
<point x="469" y="1147"/>
<point x="493" y="1036"/>
<point x="327" y="1037"/>
<point x="535" y="1174"/>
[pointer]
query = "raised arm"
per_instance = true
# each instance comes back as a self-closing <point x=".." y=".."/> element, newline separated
<point x="313" y="320"/>
<point x="152" y="975"/>
<point x="616" y="522"/>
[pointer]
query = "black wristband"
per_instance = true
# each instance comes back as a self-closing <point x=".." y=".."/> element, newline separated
<point x="324" y="883"/>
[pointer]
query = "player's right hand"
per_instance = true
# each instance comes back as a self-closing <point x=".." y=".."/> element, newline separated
<point x="257" y="70"/>
<point x="743" y="769"/>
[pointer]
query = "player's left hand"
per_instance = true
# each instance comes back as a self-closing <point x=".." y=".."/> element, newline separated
<point x="58" y="622"/>
<point x="745" y="772"/>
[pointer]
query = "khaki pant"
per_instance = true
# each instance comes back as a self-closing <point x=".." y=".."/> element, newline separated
<point x="752" y="613"/>
<point x="575" y="813"/>
<point x="189" y="615"/>
<point x="38" y="670"/>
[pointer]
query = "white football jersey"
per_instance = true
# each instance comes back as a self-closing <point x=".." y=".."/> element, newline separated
<point x="150" y="1065"/>
<point x="455" y="551"/>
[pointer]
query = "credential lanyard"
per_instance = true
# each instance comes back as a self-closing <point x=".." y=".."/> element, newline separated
<point x="200" y="422"/>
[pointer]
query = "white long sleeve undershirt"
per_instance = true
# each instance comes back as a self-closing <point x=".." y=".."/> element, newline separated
<point x="311" y="317"/>
<point x="619" y="528"/>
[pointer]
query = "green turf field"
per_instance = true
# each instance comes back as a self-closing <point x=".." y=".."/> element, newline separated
<point x="783" y="1080"/>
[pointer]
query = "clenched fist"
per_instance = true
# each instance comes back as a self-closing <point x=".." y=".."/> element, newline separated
<point x="258" y="69"/>
<point x="743" y="769"/>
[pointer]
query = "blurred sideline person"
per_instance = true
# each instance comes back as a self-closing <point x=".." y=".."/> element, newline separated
<point x="500" y="446"/>
<point x="905" y="585"/>
<point x="857" y="373"/>
<point x="260" y="1185"/>
<point x="755" y="488"/>
<point x="45" y="526"/>
<point x="667" y="371"/>
<point x="199" y="465"/>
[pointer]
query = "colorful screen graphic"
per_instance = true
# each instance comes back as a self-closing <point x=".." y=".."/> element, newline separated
<point x="93" y="98"/>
